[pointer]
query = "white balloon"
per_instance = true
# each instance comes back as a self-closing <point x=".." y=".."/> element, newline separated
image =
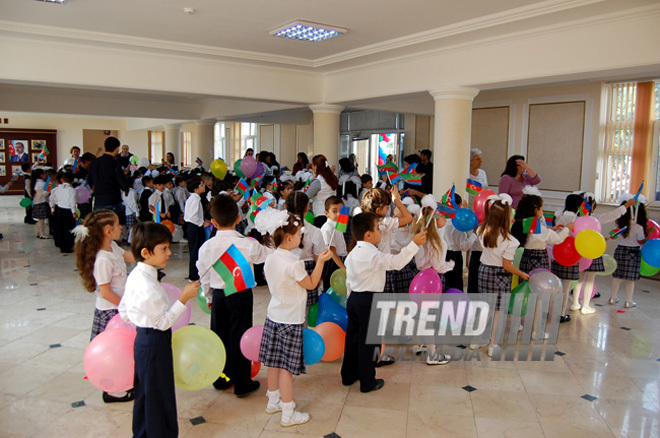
<point x="144" y="162"/>
<point x="545" y="282"/>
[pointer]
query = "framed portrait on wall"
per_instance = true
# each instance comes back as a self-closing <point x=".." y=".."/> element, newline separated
<point x="18" y="151"/>
<point x="38" y="145"/>
<point x="3" y="172"/>
<point x="16" y="170"/>
<point x="2" y="143"/>
<point x="2" y="157"/>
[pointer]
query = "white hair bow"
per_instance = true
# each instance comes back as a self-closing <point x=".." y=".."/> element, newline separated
<point x="81" y="232"/>
<point x="504" y="198"/>
<point x="531" y="190"/>
<point x="270" y="219"/>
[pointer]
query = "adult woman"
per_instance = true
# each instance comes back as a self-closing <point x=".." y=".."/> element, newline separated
<point x="476" y="172"/>
<point x="324" y="186"/>
<point x="516" y="176"/>
<point x="170" y="161"/>
<point x="346" y="167"/>
<point x="75" y="152"/>
<point x="301" y="164"/>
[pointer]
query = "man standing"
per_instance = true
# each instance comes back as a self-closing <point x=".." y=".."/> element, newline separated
<point x="107" y="179"/>
<point x="124" y="157"/>
<point x="426" y="168"/>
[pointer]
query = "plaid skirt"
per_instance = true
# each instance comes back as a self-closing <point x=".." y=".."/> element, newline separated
<point x="282" y="347"/>
<point x="312" y="294"/>
<point x="565" y="272"/>
<point x="597" y="265"/>
<point x="494" y="280"/>
<point x="398" y="282"/>
<point x="101" y="318"/>
<point x="130" y="221"/>
<point x="41" y="210"/>
<point x="628" y="262"/>
<point x="534" y="259"/>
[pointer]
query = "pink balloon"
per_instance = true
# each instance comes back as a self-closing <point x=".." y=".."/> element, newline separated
<point x="251" y="342"/>
<point x="585" y="263"/>
<point x="586" y="223"/>
<point x="117" y="322"/>
<point x="109" y="362"/>
<point x="480" y="203"/>
<point x="249" y="166"/>
<point x="654" y="230"/>
<point x="426" y="282"/>
<point x="173" y="293"/>
<point x="82" y="194"/>
<point x="593" y="292"/>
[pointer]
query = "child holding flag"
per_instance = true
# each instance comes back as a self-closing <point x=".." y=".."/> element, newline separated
<point x="282" y="342"/>
<point x="195" y="223"/>
<point x="231" y="309"/>
<point x="334" y="241"/>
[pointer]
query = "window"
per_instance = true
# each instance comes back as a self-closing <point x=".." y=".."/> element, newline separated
<point x="186" y="148"/>
<point x="156" y="146"/>
<point x="248" y="137"/>
<point x="219" y="141"/>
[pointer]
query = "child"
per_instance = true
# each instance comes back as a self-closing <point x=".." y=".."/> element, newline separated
<point x="231" y="315"/>
<point x="101" y="265"/>
<point x="628" y="253"/>
<point x="268" y="185"/>
<point x="284" y="189"/>
<point x="147" y="191"/>
<point x="131" y="210"/>
<point x="27" y="192"/>
<point x="457" y="242"/>
<point x="64" y="212"/>
<point x="367" y="184"/>
<point x="499" y="247"/>
<point x="157" y="200"/>
<point x="181" y="192"/>
<point x="366" y="269"/>
<point x="334" y="240"/>
<point x="146" y="305"/>
<point x="40" y="208"/>
<point x="282" y="343"/>
<point x="172" y="206"/>
<point x="194" y="218"/>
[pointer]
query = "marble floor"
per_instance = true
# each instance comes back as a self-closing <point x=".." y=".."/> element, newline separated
<point x="610" y="358"/>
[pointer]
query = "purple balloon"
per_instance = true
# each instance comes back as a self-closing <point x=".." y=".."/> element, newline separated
<point x="539" y="270"/>
<point x="82" y="194"/>
<point x="261" y="169"/>
<point x="173" y="293"/>
<point x="426" y="282"/>
<point x="249" y="166"/>
<point x="585" y="263"/>
<point x="453" y="290"/>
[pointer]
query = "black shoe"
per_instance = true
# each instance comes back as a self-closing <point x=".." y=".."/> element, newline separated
<point x="250" y="388"/>
<point x="221" y="383"/>
<point x="379" y="384"/>
<point x="348" y="383"/>
<point x="383" y="363"/>
<point x="130" y="396"/>
<point x="597" y="295"/>
<point x="565" y="318"/>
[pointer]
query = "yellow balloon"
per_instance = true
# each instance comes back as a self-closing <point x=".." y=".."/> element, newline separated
<point x="515" y="281"/>
<point x="219" y="168"/>
<point x="199" y="357"/>
<point x="590" y="244"/>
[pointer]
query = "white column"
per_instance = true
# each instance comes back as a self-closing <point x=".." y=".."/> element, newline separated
<point x="451" y="139"/>
<point x="173" y="142"/>
<point x="326" y="131"/>
<point x="202" y="142"/>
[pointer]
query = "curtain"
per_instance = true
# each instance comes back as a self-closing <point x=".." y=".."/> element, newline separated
<point x="643" y="136"/>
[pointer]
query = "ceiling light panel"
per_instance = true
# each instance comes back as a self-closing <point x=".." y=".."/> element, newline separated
<point x="59" y="2"/>
<point x="307" y="31"/>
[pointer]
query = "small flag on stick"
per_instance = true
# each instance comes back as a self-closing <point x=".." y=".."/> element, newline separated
<point x="473" y="186"/>
<point x="615" y="233"/>
<point x="532" y="225"/>
<point x="549" y="217"/>
<point x="342" y="220"/>
<point x="235" y="271"/>
<point x="585" y="208"/>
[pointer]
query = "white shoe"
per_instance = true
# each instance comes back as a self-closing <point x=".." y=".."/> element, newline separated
<point x="520" y="328"/>
<point x="587" y="310"/>
<point x="442" y="359"/>
<point x="613" y="301"/>
<point x="630" y="304"/>
<point x="291" y="417"/>
<point x="476" y="346"/>
<point x="546" y="335"/>
<point x="492" y="349"/>
<point x="273" y="408"/>
<point x="417" y="349"/>
<point x="575" y="306"/>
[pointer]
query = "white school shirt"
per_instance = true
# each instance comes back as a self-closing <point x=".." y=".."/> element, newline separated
<point x="387" y="226"/>
<point x="212" y="249"/>
<point x="145" y="303"/>
<point x="283" y="270"/>
<point x="40" y="194"/>
<point x="457" y="240"/>
<point x="181" y="195"/>
<point x="194" y="213"/>
<point x="636" y="234"/>
<point x="506" y="248"/>
<point x="366" y="266"/>
<point x="337" y="239"/>
<point x="52" y="199"/>
<point x="130" y="202"/>
<point x="157" y="198"/>
<point x="66" y="197"/>
<point x="109" y="268"/>
<point x="401" y="237"/>
<point x="168" y="197"/>
<point x="429" y="257"/>
<point x="281" y="204"/>
<point x="611" y="216"/>
<point x="313" y="244"/>
<point x="546" y="237"/>
<point x="138" y="187"/>
<point x="565" y="217"/>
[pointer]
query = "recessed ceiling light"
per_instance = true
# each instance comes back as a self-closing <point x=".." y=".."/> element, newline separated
<point x="59" y="2"/>
<point x="307" y="31"/>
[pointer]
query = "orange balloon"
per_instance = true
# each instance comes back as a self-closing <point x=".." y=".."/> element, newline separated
<point x="169" y="225"/>
<point x="334" y="338"/>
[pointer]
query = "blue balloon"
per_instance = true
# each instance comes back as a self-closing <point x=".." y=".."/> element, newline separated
<point x="465" y="220"/>
<point x="651" y="252"/>
<point x="313" y="346"/>
<point x="339" y="299"/>
<point x="331" y="311"/>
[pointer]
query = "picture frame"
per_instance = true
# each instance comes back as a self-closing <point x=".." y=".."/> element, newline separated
<point x="35" y="157"/>
<point x="18" y="151"/>
<point x="16" y="170"/>
<point x="2" y="157"/>
<point x="37" y="145"/>
<point x="3" y="171"/>
<point x="2" y="144"/>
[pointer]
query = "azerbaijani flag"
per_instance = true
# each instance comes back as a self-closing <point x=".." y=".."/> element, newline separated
<point x="284" y="169"/>
<point x="549" y="217"/>
<point x="342" y="220"/>
<point x="394" y="177"/>
<point x="199" y="162"/>
<point x="174" y="172"/>
<point x="585" y="209"/>
<point x="157" y="212"/>
<point x="254" y="211"/>
<point x="445" y="211"/>
<point x="473" y="186"/>
<point x="306" y="186"/>
<point x="49" y="184"/>
<point x="262" y="202"/>
<point x="74" y="169"/>
<point x="46" y="151"/>
<point x="382" y="157"/>
<point x="256" y="181"/>
<point x="407" y="194"/>
<point x="235" y="271"/>
<point x="409" y="169"/>
<point x="388" y="166"/>
<point x="449" y="198"/>
<point x="309" y="217"/>
<point x="243" y="188"/>
<point x="639" y="192"/>
<point x="614" y="234"/>
<point x="413" y="179"/>
<point x="532" y="225"/>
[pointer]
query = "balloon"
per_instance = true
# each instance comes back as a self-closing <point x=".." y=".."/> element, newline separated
<point x="108" y="361"/>
<point x="585" y="263"/>
<point x="545" y="282"/>
<point x="248" y="166"/>
<point x="199" y="357"/>
<point x="465" y="220"/>
<point x="572" y="284"/>
<point x="330" y="311"/>
<point x="144" y="162"/>
<point x="480" y="203"/>
<point x="261" y="169"/>
<point x="338" y="281"/>
<point x="565" y="253"/>
<point x="534" y="271"/>
<point x="219" y="168"/>
<point x="173" y="294"/>
<point x="647" y="270"/>
<point x="515" y="281"/>
<point x="523" y="288"/>
<point x="426" y="282"/>
<point x="586" y="223"/>
<point x="251" y="342"/>
<point x="82" y="194"/>
<point x="237" y="168"/>
<point x="590" y="244"/>
<point x="117" y="322"/>
<point x="312" y="314"/>
<point x="610" y="265"/>
<point x="134" y="159"/>
<point x="652" y="230"/>
<point x="651" y="252"/>
<point x="313" y="346"/>
<point x="333" y="338"/>
<point x="201" y="301"/>
<point x="453" y="291"/>
<point x="339" y="299"/>
<point x="170" y="226"/>
<point x="256" y="366"/>
<point x="517" y="257"/>
<point x="25" y="202"/>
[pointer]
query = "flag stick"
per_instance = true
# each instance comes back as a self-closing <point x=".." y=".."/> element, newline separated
<point x="331" y="237"/>
<point x="428" y="222"/>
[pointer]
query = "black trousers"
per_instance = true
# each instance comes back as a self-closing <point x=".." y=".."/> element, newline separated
<point x="454" y="278"/>
<point x="154" y="409"/>
<point x="231" y="317"/>
<point x="196" y="238"/>
<point x="473" y="272"/>
<point x="64" y="223"/>
<point x="358" y="361"/>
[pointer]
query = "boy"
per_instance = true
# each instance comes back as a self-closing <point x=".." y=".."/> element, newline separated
<point x="63" y="205"/>
<point x="157" y="199"/>
<point x="168" y="196"/>
<point x="365" y="276"/>
<point x="231" y="316"/>
<point x="338" y="245"/>
<point x="146" y="305"/>
<point x="367" y="184"/>
<point x="27" y="192"/>
<point x="147" y="191"/>
<point x="195" y="223"/>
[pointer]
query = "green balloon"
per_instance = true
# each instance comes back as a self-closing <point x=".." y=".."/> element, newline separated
<point x="237" y="168"/>
<point x="201" y="301"/>
<point x="134" y="159"/>
<point x="25" y="202"/>
<point x="610" y="265"/>
<point x="312" y="313"/>
<point x="517" y="257"/>
<point x="339" y="299"/>
<point x="522" y="288"/>
<point x="647" y="270"/>
<point x="338" y="281"/>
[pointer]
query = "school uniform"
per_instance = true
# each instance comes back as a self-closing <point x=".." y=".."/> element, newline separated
<point x="40" y="207"/>
<point x="131" y="209"/>
<point x="313" y="246"/>
<point x="109" y="268"/>
<point x="171" y="205"/>
<point x="628" y="254"/>
<point x="52" y="202"/>
<point x="366" y="266"/>
<point x="396" y="281"/>
<point x="156" y="200"/>
<point x="146" y="305"/>
<point x="457" y="242"/>
<point x="328" y="232"/>
<point x="231" y="315"/>
<point x="181" y="195"/>
<point x="429" y="257"/>
<point x="535" y="253"/>
<point x="493" y="278"/>
<point x="473" y="269"/>
<point x="597" y="264"/>
<point x="282" y="341"/>
<point x="194" y="218"/>
<point x="145" y="213"/>
<point x="65" y="207"/>
<point x="27" y="192"/>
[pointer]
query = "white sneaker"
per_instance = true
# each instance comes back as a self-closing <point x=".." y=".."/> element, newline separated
<point x="613" y="301"/>
<point x="417" y="349"/>
<point x="476" y="346"/>
<point x="492" y="349"/>
<point x="630" y="304"/>
<point x="587" y="310"/>
<point x="442" y="359"/>
<point x="546" y="335"/>
<point x="575" y="306"/>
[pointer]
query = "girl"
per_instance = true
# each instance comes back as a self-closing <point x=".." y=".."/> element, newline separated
<point x="284" y="189"/>
<point x="281" y="345"/>
<point x="101" y="265"/>
<point x="40" y="207"/>
<point x="457" y="242"/>
<point x="130" y="200"/>
<point x="628" y="253"/>
<point x="499" y="247"/>
<point x="324" y="186"/>
<point x="268" y="186"/>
